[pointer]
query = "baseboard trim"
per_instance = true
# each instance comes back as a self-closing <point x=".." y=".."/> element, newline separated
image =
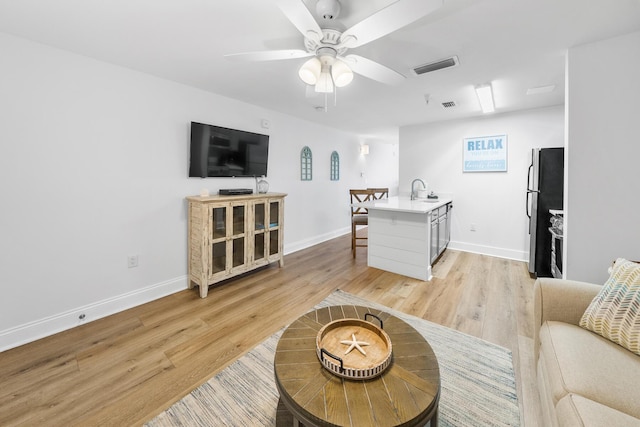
<point x="307" y="243"/>
<point x="29" y="332"/>
<point x="489" y="250"/>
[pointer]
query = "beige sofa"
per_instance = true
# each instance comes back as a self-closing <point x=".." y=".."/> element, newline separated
<point x="583" y="378"/>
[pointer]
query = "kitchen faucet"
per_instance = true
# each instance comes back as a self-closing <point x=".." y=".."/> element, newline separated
<point x="413" y="194"/>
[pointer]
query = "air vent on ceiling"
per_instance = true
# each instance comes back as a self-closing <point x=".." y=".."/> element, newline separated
<point x="448" y="104"/>
<point x="438" y="65"/>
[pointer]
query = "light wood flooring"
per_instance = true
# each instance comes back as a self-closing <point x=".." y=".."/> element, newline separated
<point x="126" y="368"/>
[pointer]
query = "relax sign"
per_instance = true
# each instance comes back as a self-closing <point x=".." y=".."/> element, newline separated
<point x="485" y="154"/>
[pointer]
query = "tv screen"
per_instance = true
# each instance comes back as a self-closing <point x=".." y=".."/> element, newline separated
<point x="220" y="152"/>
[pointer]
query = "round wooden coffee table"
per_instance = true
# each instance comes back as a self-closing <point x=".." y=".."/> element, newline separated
<point x="406" y="393"/>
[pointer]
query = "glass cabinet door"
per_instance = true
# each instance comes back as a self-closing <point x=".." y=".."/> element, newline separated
<point x="219" y="257"/>
<point x="227" y="238"/>
<point x="258" y="248"/>
<point x="259" y="216"/>
<point x="238" y="251"/>
<point x="274" y="242"/>
<point x="238" y="236"/>
<point x="259" y="227"/>
<point x="218" y="238"/>
<point x="238" y="220"/>
<point x="274" y="228"/>
<point x="219" y="222"/>
<point x="274" y="214"/>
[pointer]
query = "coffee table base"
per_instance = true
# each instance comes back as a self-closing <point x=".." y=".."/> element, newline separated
<point x="284" y="418"/>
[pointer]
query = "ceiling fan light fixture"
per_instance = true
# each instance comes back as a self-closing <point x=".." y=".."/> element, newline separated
<point x="325" y="81"/>
<point x="341" y="73"/>
<point x="310" y="71"/>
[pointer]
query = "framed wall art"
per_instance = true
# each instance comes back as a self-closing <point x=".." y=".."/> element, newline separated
<point x="485" y="154"/>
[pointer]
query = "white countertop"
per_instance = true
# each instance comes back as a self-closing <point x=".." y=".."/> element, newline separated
<point x="405" y="204"/>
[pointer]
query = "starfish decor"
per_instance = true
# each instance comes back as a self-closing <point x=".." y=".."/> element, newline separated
<point x="354" y="343"/>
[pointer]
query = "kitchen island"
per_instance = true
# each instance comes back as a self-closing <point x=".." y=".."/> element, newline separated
<point x="406" y="236"/>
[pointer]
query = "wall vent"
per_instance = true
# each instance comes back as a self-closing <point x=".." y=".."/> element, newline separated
<point x="448" y="104"/>
<point x="438" y="65"/>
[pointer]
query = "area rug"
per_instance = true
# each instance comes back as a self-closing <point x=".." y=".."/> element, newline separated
<point x="477" y="381"/>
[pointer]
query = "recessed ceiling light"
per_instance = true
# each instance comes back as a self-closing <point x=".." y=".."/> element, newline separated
<point x="540" y="89"/>
<point x="485" y="96"/>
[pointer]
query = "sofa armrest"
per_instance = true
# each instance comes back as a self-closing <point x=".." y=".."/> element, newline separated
<point x="560" y="300"/>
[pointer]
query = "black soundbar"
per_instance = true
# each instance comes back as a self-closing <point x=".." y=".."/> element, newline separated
<point x="234" y="191"/>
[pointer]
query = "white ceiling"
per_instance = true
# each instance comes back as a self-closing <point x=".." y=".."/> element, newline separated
<point x="514" y="44"/>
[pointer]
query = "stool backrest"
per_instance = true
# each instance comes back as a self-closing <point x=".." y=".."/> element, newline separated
<point x="365" y="195"/>
<point x="379" y="193"/>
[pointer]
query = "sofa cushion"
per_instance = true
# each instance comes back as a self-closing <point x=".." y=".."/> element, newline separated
<point x="581" y="362"/>
<point x="576" y="410"/>
<point x="615" y="312"/>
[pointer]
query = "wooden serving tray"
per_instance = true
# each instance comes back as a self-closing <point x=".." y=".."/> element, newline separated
<point x="354" y="348"/>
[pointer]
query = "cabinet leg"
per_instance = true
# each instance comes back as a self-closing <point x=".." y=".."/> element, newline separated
<point x="203" y="291"/>
<point x="204" y="288"/>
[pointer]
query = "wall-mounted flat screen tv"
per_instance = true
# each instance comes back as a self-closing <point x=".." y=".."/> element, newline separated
<point x="222" y="152"/>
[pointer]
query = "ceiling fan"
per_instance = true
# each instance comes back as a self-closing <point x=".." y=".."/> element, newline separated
<point x="330" y="66"/>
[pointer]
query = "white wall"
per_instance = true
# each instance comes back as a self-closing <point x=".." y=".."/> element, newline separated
<point x="493" y="202"/>
<point x="602" y="177"/>
<point x="381" y="166"/>
<point x="93" y="168"/>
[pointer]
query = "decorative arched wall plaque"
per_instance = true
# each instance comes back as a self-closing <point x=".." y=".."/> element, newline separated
<point x="306" y="164"/>
<point x="335" y="166"/>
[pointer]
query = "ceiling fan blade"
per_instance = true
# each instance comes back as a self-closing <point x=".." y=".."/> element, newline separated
<point x="373" y="70"/>
<point x="299" y="15"/>
<point x="269" y="55"/>
<point x="388" y="20"/>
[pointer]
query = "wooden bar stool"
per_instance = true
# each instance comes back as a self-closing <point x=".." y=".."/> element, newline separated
<point x="359" y="216"/>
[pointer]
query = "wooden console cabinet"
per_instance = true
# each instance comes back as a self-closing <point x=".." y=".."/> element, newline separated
<point x="231" y="235"/>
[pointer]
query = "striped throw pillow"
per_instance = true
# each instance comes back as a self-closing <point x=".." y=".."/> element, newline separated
<point x="615" y="312"/>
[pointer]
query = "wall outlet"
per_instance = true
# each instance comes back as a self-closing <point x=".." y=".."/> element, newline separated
<point x="473" y="227"/>
<point x="132" y="261"/>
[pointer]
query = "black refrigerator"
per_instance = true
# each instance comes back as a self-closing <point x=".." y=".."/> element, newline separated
<point x="545" y="184"/>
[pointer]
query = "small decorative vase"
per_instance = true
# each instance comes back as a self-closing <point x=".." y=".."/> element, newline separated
<point x="263" y="186"/>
